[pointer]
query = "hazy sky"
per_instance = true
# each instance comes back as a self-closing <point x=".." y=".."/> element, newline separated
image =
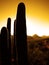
<point x="37" y="15"/>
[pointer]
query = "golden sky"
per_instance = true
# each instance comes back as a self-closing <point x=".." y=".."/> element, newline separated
<point x="37" y="15"/>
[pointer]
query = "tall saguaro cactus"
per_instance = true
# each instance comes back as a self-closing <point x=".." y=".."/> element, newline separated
<point x="4" y="46"/>
<point x="15" y="46"/>
<point x="21" y="35"/>
<point x="9" y="29"/>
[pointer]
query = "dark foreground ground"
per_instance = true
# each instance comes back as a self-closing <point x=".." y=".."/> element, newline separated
<point x="38" y="50"/>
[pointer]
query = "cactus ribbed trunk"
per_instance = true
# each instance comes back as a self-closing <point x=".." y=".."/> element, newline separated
<point x="21" y="35"/>
<point x="9" y="29"/>
<point x="4" y="46"/>
<point x="15" y="46"/>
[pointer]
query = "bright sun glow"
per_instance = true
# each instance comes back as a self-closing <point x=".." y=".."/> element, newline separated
<point x="12" y="26"/>
<point x="33" y="27"/>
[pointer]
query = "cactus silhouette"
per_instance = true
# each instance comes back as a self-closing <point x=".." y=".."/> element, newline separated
<point x="15" y="46"/>
<point x="4" y="46"/>
<point x="0" y="48"/>
<point x="20" y="40"/>
<point x="21" y="36"/>
<point x="9" y="25"/>
<point x="9" y="29"/>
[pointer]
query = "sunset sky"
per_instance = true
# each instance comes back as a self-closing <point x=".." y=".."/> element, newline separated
<point x="37" y="15"/>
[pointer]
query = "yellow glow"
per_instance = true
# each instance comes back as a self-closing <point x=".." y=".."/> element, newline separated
<point x="32" y="27"/>
<point x="12" y="25"/>
<point x="37" y="12"/>
<point x="35" y="27"/>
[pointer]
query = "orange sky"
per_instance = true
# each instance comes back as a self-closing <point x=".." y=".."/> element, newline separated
<point x="37" y="15"/>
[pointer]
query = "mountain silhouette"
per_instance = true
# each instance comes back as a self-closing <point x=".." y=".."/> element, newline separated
<point x="35" y="36"/>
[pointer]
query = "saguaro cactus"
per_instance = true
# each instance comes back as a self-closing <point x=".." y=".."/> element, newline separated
<point x="21" y="36"/>
<point x="9" y="25"/>
<point x="15" y="46"/>
<point x="4" y="46"/>
<point x="9" y="29"/>
<point x="0" y="48"/>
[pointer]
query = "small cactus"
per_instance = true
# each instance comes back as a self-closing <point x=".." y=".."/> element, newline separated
<point x="9" y="29"/>
<point x="9" y="25"/>
<point x="15" y="54"/>
<point x="0" y="48"/>
<point x="4" y="46"/>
